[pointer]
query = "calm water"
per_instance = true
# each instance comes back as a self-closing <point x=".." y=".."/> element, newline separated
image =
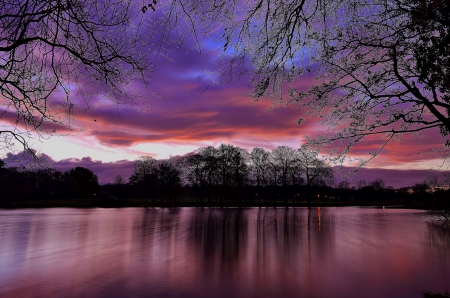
<point x="189" y="252"/>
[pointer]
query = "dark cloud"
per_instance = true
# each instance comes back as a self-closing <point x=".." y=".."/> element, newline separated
<point x="191" y="108"/>
<point x="394" y="178"/>
<point x="106" y="171"/>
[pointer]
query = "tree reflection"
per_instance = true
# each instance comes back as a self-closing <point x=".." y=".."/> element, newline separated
<point x="439" y="236"/>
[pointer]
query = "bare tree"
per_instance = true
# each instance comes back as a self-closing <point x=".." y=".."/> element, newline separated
<point x="314" y="170"/>
<point x="380" y="67"/>
<point x="361" y="184"/>
<point x="284" y="160"/>
<point x="169" y="180"/>
<point x="55" y="54"/>
<point x="193" y="172"/>
<point x="144" y="176"/>
<point x="210" y="159"/>
<point x="259" y="168"/>
<point x="118" y="179"/>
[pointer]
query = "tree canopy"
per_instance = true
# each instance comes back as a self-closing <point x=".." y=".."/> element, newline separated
<point x="379" y="67"/>
<point x="54" y="54"/>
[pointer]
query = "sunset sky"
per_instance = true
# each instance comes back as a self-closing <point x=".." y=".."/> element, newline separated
<point x="186" y="107"/>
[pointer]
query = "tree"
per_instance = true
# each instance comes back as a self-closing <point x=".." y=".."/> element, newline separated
<point x="315" y="171"/>
<point x="169" y="180"/>
<point x="50" y="183"/>
<point x="83" y="183"/>
<point x="232" y="167"/>
<point x="284" y="162"/>
<point x="118" y="179"/>
<point x="194" y="173"/>
<point x="144" y="177"/>
<point x="55" y="53"/>
<point x="343" y="185"/>
<point x="259" y="167"/>
<point x="378" y="185"/>
<point x="376" y="84"/>
<point x="210" y="159"/>
<point x="380" y="67"/>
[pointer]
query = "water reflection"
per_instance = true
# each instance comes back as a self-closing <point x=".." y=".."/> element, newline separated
<point x="206" y="252"/>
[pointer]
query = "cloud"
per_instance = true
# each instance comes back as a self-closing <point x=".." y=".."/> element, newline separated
<point x="191" y="108"/>
<point x="394" y="178"/>
<point x="106" y="171"/>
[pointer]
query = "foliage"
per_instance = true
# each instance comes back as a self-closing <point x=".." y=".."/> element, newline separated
<point x="83" y="183"/>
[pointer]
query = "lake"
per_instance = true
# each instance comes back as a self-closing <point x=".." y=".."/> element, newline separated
<point x="212" y="252"/>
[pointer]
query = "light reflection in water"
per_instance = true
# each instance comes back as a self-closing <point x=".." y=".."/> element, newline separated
<point x="205" y="252"/>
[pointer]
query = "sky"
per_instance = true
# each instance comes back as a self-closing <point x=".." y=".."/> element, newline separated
<point x="185" y="108"/>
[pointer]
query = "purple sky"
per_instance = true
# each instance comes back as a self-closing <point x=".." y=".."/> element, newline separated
<point x="185" y="107"/>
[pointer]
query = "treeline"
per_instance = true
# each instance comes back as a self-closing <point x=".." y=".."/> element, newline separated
<point x="223" y="175"/>
<point x="228" y="173"/>
<point x="212" y="174"/>
<point x="19" y="183"/>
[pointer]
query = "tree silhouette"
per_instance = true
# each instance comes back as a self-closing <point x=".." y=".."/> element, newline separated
<point x="83" y="183"/>
<point x="314" y="170"/>
<point x="284" y="162"/>
<point x="210" y="165"/>
<point x="194" y="173"/>
<point x="168" y="179"/>
<point x="118" y="179"/>
<point x="144" y="177"/>
<point x="380" y="67"/>
<point x="55" y="53"/>
<point x="259" y="164"/>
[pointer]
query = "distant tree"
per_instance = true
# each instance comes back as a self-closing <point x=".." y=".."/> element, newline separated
<point x="420" y="188"/>
<point x="259" y="161"/>
<point x="144" y="177"/>
<point x="168" y="179"/>
<point x="284" y="161"/>
<point x="210" y="159"/>
<point x="239" y="170"/>
<point x="259" y="169"/>
<point x="50" y="183"/>
<point x="361" y="184"/>
<point x="118" y="179"/>
<point x="378" y="185"/>
<point x="232" y="168"/>
<point x="343" y="184"/>
<point x="193" y="171"/>
<point x="315" y="171"/>
<point x="83" y="183"/>
<point x="224" y="160"/>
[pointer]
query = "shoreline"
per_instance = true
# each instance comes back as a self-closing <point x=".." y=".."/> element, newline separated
<point x="124" y="203"/>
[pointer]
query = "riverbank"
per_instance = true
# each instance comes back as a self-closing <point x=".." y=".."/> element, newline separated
<point x="190" y="202"/>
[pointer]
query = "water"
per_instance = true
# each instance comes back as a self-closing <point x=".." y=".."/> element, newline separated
<point x="194" y="252"/>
